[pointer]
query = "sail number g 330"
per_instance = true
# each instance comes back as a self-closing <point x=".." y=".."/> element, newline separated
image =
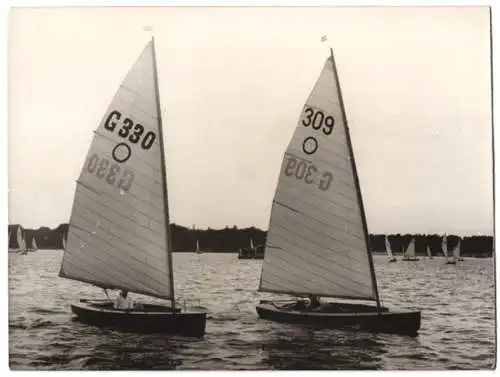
<point x="112" y="173"/>
<point x="133" y="132"/>
<point x="308" y="172"/>
<point x="317" y="120"/>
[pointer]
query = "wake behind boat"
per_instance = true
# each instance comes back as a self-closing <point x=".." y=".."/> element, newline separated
<point x="119" y="235"/>
<point x="317" y="243"/>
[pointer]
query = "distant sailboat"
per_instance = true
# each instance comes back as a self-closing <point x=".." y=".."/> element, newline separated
<point x="64" y="242"/>
<point x="253" y="252"/>
<point x="119" y="234"/>
<point x="317" y="243"/>
<point x="445" y="251"/>
<point x="409" y="254"/>
<point x="21" y="241"/>
<point x="456" y="251"/>
<point x="34" y="246"/>
<point x="8" y="240"/>
<point x="198" y="250"/>
<point x="389" y="250"/>
<point x="428" y="250"/>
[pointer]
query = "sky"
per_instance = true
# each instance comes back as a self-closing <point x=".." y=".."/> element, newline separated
<point x="416" y="84"/>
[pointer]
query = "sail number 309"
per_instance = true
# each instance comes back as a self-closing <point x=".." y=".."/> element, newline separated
<point x="308" y="172"/>
<point x="317" y="120"/>
<point x="111" y="173"/>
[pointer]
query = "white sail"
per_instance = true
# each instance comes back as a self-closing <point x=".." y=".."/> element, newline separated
<point x="428" y="249"/>
<point x="117" y="230"/>
<point x="445" y="247"/>
<point x="410" y="251"/>
<point x="316" y="242"/>
<point x="64" y="243"/>
<point x="388" y="248"/>
<point x="34" y="246"/>
<point x="251" y="244"/>
<point x="198" y="247"/>
<point x="21" y="243"/>
<point x="456" y="250"/>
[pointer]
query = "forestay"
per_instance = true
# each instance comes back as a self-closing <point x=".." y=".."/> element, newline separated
<point x="116" y="236"/>
<point x="316" y="242"/>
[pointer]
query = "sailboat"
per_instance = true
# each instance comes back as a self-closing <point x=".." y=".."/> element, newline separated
<point x="253" y="252"/>
<point x="317" y="242"/>
<point x="34" y="246"/>
<point x="119" y="234"/>
<point x="64" y="242"/>
<point x="428" y="250"/>
<point x="389" y="250"/>
<point x="456" y="251"/>
<point x="21" y="242"/>
<point x="445" y="251"/>
<point x="198" y="250"/>
<point x="409" y="255"/>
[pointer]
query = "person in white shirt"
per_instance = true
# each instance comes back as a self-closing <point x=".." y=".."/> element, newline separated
<point x="122" y="302"/>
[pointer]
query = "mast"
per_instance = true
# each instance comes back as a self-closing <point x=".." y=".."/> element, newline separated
<point x="356" y="182"/>
<point x="164" y="174"/>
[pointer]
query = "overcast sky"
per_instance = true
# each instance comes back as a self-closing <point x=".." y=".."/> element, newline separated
<point x="416" y="86"/>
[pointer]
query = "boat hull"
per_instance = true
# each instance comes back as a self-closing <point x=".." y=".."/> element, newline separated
<point x="351" y="317"/>
<point x="148" y="319"/>
<point x="410" y="259"/>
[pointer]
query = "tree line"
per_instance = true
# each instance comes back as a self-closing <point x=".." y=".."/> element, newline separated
<point x="231" y="239"/>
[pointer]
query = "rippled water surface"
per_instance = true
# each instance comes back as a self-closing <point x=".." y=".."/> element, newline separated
<point x="457" y="332"/>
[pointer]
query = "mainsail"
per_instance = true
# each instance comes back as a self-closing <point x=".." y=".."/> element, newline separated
<point x="445" y="247"/>
<point x="251" y="244"/>
<point x="317" y="242"/>
<point x="34" y="246"/>
<point x="456" y="250"/>
<point x="388" y="248"/>
<point x="428" y="250"/>
<point x="410" y="251"/>
<point x="117" y="231"/>
<point x="21" y="242"/>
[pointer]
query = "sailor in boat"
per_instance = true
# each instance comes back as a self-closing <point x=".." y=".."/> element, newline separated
<point x="123" y="301"/>
<point x="314" y="302"/>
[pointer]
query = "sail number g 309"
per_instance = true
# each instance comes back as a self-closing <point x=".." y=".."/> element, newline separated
<point x="129" y="130"/>
<point x="308" y="172"/>
<point x="317" y="120"/>
<point x="111" y="173"/>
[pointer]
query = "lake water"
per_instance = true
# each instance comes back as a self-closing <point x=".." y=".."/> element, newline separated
<point x="457" y="331"/>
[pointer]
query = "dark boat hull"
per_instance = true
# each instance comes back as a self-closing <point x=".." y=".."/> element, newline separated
<point x="410" y="260"/>
<point x="148" y="319"/>
<point x="250" y="256"/>
<point x="349" y="317"/>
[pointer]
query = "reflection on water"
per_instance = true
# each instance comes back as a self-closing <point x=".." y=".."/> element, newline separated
<point x="457" y="303"/>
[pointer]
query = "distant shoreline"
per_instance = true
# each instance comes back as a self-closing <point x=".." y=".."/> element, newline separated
<point x="232" y="239"/>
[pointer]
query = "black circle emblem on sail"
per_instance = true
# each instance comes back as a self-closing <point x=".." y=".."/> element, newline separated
<point x="310" y="145"/>
<point x="121" y="152"/>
